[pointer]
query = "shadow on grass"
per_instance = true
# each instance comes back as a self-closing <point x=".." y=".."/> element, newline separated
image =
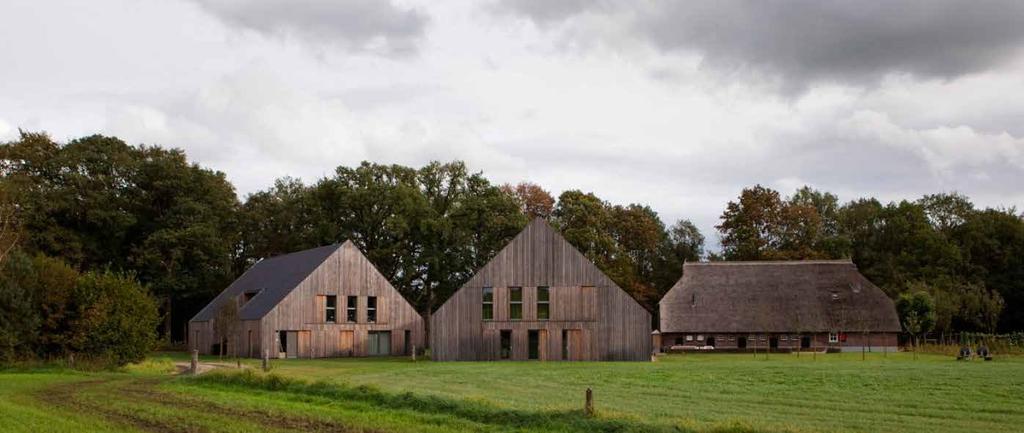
<point x="477" y="412"/>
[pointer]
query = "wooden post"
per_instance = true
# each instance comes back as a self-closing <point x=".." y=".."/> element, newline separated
<point x="195" y="361"/>
<point x="588" y="408"/>
<point x="413" y="353"/>
<point x="238" y="362"/>
<point x="266" y="360"/>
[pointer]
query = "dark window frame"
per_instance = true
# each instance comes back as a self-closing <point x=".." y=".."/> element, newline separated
<point x="330" y="311"/>
<point x="513" y="312"/>
<point x="352" y="309"/>
<point x="545" y="303"/>
<point x="371" y="309"/>
<point x="487" y="303"/>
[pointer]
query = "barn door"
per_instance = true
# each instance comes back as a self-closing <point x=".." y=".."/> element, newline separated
<point x="291" y="344"/>
<point x="543" y="336"/>
<point x="346" y="343"/>
<point x="380" y="343"/>
<point x="304" y="346"/>
<point x="572" y="344"/>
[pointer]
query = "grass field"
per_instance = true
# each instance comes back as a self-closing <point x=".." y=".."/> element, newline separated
<point x="714" y="393"/>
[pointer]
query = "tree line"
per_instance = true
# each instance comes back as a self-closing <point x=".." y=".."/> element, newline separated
<point x="180" y="233"/>
<point x="969" y="261"/>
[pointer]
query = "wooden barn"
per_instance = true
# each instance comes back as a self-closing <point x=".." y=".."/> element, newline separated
<point x="539" y="298"/>
<point x="789" y="305"/>
<point x="322" y="302"/>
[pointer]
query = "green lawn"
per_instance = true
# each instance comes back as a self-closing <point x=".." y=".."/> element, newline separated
<point x="721" y="393"/>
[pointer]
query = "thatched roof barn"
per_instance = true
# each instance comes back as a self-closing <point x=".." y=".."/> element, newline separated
<point x="789" y="300"/>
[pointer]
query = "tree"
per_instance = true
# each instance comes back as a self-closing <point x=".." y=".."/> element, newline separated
<point x="19" y="321"/>
<point x="10" y="228"/>
<point x="533" y="200"/>
<point x="628" y="243"/>
<point x="992" y="246"/>
<point x="750" y="227"/>
<point x="917" y="313"/>
<point x="100" y="204"/>
<point x="115" y="317"/>
<point x="54" y="284"/>
<point x="686" y="240"/>
<point x="946" y="212"/>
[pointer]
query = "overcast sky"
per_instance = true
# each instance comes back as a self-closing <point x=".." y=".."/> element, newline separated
<point x="677" y="105"/>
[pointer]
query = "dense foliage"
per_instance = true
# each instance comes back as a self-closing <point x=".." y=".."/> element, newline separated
<point x="99" y="207"/>
<point x="51" y="310"/>
<point x="970" y="261"/>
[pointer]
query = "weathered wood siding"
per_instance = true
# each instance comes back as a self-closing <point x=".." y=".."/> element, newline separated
<point x="345" y="273"/>
<point x="608" y="323"/>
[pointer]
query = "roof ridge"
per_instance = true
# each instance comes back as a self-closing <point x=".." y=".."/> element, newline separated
<point x="773" y="262"/>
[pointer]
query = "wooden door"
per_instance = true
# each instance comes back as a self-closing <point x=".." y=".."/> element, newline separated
<point x="304" y="346"/>
<point x="346" y="343"/>
<point x="291" y="345"/>
<point x="543" y="334"/>
<point x="572" y="345"/>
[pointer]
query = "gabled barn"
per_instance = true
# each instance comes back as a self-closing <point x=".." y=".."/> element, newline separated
<point x="787" y="305"/>
<point x="322" y="302"/>
<point x="540" y="298"/>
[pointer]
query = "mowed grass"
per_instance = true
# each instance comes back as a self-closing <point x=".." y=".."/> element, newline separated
<point x="703" y="393"/>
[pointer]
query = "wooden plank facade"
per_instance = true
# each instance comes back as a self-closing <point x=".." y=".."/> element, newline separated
<point x="589" y="317"/>
<point x="382" y="322"/>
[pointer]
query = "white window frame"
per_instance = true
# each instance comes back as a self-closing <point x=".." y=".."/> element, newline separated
<point x="689" y="338"/>
<point x="833" y="337"/>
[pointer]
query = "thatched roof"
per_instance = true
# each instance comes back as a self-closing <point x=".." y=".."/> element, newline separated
<point x="791" y="296"/>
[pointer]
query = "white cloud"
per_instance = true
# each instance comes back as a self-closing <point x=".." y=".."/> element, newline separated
<point x="519" y="101"/>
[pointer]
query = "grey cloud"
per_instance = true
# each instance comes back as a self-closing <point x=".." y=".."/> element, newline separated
<point x="371" y="25"/>
<point x="809" y="41"/>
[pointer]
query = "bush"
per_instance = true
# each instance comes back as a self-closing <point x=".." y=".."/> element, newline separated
<point x="117" y="319"/>
<point x="19" y="320"/>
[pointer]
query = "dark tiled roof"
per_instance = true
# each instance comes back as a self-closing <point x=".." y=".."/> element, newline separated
<point x="795" y="296"/>
<point x="272" y="278"/>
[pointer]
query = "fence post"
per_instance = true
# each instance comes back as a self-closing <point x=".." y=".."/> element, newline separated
<point x="195" y="361"/>
<point x="266" y="360"/>
<point x="588" y="408"/>
<point x="413" y="353"/>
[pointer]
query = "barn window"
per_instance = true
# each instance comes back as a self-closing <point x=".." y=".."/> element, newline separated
<point x="689" y="338"/>
<point x="371" y="309"/>
<point x="700" y="338"/>
<point x="488" y="305"/>
<point x="350" y="309"/>
<point x="248" y="297"/>
<point x="833" y="337"/>
<point x="543" y="304"/>
<point x="331" y="309"/>
<point x="515" y="303"/>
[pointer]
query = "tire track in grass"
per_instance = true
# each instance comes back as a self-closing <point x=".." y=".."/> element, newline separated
<point x="68" y="396"/>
